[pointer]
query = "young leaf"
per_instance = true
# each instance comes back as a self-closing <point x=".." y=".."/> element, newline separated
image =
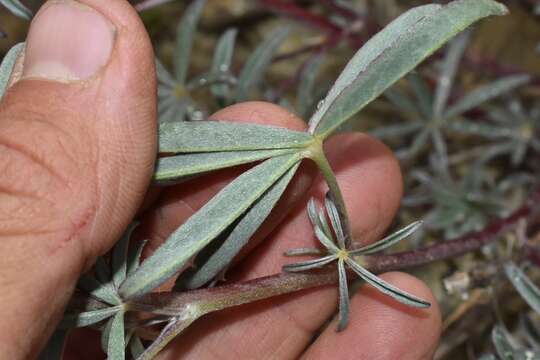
<point x="389" y="240"/>
<point x="134" y="256"/>
<point x="116" y="349"/>
<point x="17" y="8"/>
<point x="238" y="238"/>
<point x="8" y="63"/>
<point x="104" y="292"/>
<point x="184" y="39"/>
<point x="54" y="350"/>
<point x="256" y="64"/>
<point x="392" y="53"/>
<point x="221" y="63"/>
<point x="524" y="286"/>
<point x="309" y="264"/>
<point x="87" y="318"/>
<point x="335" y="220"/>
<point x="448" y="71"/>
<point x="485" y="93"/>
<point x="343" y="296"/>
<point x="386" y="288"/>
<point x="215" y="136"/>
<point x="206" y="224"/>
<point x="174" y="168"/>
<point x="120" y="256"/>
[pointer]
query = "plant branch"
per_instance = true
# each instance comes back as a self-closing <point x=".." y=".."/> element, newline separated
<point x="218" y="298"/>
<point x="453" y="248"/>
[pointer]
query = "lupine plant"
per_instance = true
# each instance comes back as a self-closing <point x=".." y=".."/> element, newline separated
<point x="429" y="115"/>
<point x="175" y="92"/>
<point x="512" y="129"/>
<point x="457" y="206"/>
<point x="507" y="347"/>
<point x="120" y="288"/>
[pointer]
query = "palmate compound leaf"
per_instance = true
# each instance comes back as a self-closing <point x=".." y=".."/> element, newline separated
<point x="206" y="224"/>
<point x="255" y="67"/>
<point x="215" y="136"/>
<point x="343" y="256"/>
<point x="214" y="263"/>
<point x="17" y="8"/>
<point x="184" y="39"/>
<point x="524" y="286"/>
<point x="392" y="53"/>
<point x="8" y="63"/>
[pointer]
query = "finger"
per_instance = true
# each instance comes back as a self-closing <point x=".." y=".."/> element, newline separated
<point x="370" y="178"/>
<point x="78" y="139"/>
<point x="383" y="329"/>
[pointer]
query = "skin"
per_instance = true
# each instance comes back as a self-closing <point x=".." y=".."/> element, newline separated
<point x="65" y="199"/>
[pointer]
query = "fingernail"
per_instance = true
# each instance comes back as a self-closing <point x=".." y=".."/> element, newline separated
<point x="67" y="41"/>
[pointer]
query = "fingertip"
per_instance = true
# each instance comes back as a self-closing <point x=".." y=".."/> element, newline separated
<point x="382" y="328"/>
<point x="260" y="112"/>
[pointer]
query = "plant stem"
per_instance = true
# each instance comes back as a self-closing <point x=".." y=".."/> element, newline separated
<point x="222" y="297"/>
<point x="318" y="156"/>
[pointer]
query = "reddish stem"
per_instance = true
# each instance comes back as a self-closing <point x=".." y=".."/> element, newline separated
<point x="213" y="299"/>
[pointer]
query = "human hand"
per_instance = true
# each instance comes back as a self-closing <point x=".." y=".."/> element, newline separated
<point x="78" y="133"/>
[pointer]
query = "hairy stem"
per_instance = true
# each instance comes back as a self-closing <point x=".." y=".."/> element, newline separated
<point x="218" y="298"/>
<point x="318" y="156"/>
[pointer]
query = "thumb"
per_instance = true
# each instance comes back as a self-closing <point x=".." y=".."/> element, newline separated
<point x="78" y="142"/>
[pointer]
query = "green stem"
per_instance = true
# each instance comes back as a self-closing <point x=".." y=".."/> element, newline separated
<point x="316" y="153"/>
